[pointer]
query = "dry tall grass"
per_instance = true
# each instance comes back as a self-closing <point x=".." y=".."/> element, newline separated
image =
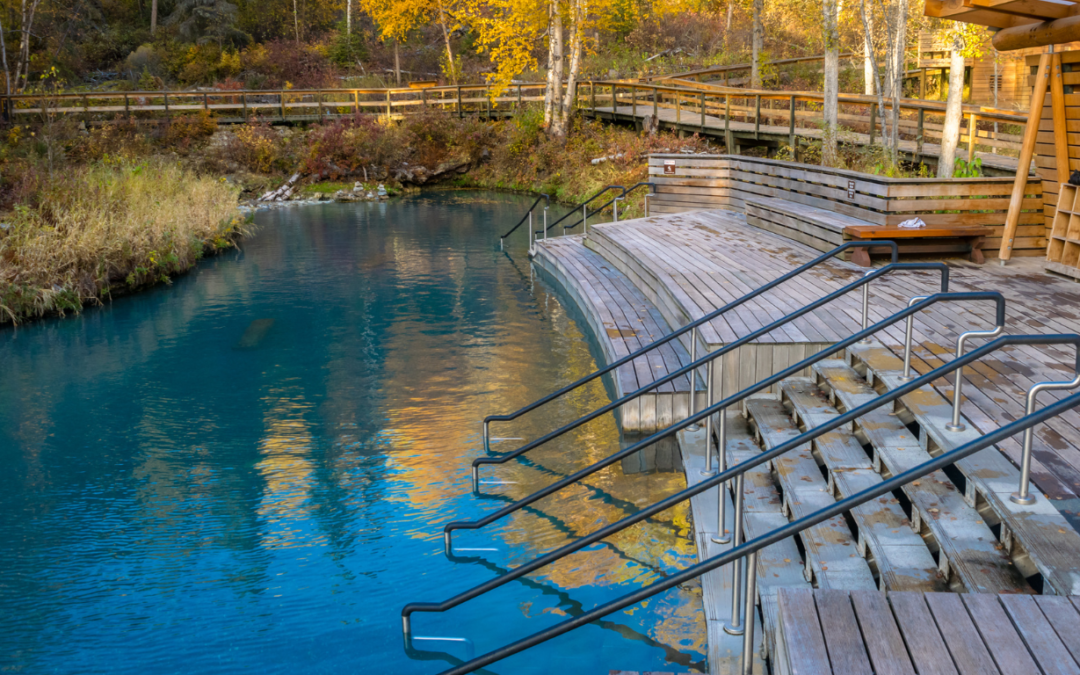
<point x="114" y="224"/>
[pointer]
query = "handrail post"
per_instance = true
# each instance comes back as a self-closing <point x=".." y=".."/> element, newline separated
<point x="907" y="376"/>
<point x="873" y="122"/>
<point x="721" y="466"/>
<point x="735" y="626"/>
<point x="585" y="217"/>
<point x="919" y="136"/>
<point x="866" y="307"/>
<point x="757" y="116"/>
<point x="747" y="659"/>
<point x="614" y="210"/>
<point x="692" y="403"/>
<point x="487" y="425"/>
<point x="545" y="221"/>
<point x="708" y="420"/>
<point x="956" y="424"/>
<point x="973" y="121"/>
<point x="1021" y="496"/>
<point x="791" y="131"/>
<point x="703" y="113"/>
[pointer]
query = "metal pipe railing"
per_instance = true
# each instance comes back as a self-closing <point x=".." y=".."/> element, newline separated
<point x="573" y="210"/>
<point x="693" y="366"/>
<point x="692" y="326"/>
<point x="527" y="216"/>
<point x="585" y="209"/>
<point x="717" y="407"/>
<point x="791" y="529"/>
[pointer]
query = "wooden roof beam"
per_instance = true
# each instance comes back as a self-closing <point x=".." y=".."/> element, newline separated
<point x="1039" y="10"/>
<point x="1036" y="34"/>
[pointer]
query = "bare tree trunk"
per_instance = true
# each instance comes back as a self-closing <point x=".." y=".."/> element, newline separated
<point x="3" y="54"/>
<point x="553" y="96"/>
<point x="397" y="64"/>
<point x="954" y="109"/>
<point x="578" y="12"/>
<point x="727" y="23"/>
<point x="898" y="32"/>
<point x="153" y="16"/>
<point x="831" y="106"/>
<point x="757" y="38"/>
<point x="22" y="66"/>
<point x="451" y="66"/>
<point x="868" y="59"/>
<point x="296" y="21"/>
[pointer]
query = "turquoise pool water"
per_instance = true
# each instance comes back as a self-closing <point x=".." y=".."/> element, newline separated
<point x="249" y="471"/>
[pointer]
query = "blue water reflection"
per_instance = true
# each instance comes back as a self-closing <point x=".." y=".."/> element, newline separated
<point x="249" y="471"/>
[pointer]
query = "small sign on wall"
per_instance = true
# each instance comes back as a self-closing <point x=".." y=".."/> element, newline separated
<point x="669" y="167"/>
<point x="851" y="189"/>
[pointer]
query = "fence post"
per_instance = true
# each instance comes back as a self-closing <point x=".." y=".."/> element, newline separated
<point x="388" y="110"/>
<point x="633" y="103"/>
<point x="614" y="103"/>
<point x="423" y="98"/>
<point x="873" y="122"/>
<point x="702" y="113"/>
<point x="919" y="135"/>
<point x="729" y="139"/>
<point x="757" y="116"/>
<point x="86" y="110"/>
<point x="166" y="106"/>
<point x="519" y="99"/>
<point x="655" y="105"/>
<point x="356" y="101"/>
<point x="459" y="113"/>
<point x="243" y="102"/>
<point x="127" y="106"/>
<point x="281" y="103"/>
<point x="791" y="129"/>
<point x="205" y="101"/>
<point x="973" y="121"/>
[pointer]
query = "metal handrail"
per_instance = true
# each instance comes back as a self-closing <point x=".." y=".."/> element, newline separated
<point x="750" y="548"/>
<point x="693" y="418"/>
<point x="526" y="216"/>
<point x="614" y="201"/>
<point x="690" y="327"/>
<point x="582" y="204"/>
<point x="737" y="470"/>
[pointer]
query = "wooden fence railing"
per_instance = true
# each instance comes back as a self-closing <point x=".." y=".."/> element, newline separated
<point x="713" y="108"/>
<point x="283" y="105"/>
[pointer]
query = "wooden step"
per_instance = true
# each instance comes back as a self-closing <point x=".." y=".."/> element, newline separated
<point x="833" y="559"/>
<point x="725" y="651"/>
<point x="1038" y="538"/>
<point x="781" y="564"/>
<point x="885" y="536"/>
<point x="968" y="551"/>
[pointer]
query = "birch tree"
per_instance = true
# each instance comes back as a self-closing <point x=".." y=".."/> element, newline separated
<point x="757" y="39"/>
<point x="27" y="12"/>
<point x="954" y="108"/>
<point x="830" y="155"/>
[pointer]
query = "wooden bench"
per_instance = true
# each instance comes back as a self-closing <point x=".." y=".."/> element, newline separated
<point x="824" y="230"/>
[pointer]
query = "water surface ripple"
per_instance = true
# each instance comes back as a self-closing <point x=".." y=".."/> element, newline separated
<point x="249" y="471"/>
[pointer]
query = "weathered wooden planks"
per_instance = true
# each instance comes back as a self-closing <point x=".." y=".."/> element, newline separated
<point x="907" y="632"/>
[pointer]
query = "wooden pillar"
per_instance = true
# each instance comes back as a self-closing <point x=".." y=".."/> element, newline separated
<point x="281" y="103"/>
<point x="459" y="113"/>
<point x="922" y="83"/>
<point x="729" y="139"/>
<point x="1057" y="106"/>
<point x="614" y="103"/>
<point x="703" y="113"/>
<point x="1027" y="148"/>
<point x="973" y="121"/>
<point x="757" y="116"/>
<point x="388" y="107"/>
<point x="655" y="106"/>
<point x="791" y="127"/>
<point x="519" y="99"/>
<point x="592" y="97"/>
<point x="873" y="122"/>
<point x="243" y="102"/>
<point x="919" y="136"/>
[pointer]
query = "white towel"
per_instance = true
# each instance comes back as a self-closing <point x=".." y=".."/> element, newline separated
<point x="913" y="223"/>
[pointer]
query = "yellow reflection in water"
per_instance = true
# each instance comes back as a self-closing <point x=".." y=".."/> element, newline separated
<point x="287" y="470"/>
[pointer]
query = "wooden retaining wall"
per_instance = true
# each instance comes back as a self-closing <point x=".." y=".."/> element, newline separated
<point x="697" y="182"/>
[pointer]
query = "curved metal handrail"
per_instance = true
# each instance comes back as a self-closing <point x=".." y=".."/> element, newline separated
<point x="585" y="214"/>
<point x="584" y="203"/>
<point x="526" y="216"/>
<point x="692" y="419"/>
<point x="693" y="366"/>
<point x="690" y="327"/>
<point x="739" y="469"/>
<point x="750" y="548"/>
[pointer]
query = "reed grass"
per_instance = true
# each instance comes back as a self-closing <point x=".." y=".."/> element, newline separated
<point x="107" y="227"/>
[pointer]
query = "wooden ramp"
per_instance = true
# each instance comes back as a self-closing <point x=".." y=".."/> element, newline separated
<point x="834" y="631"/>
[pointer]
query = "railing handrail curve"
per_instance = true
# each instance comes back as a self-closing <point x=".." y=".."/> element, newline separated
<point x="526" y="216"/>
<point x="692" y="419"/>
<point x="739" y="469"/>
<point x="783" y="532"/>
<point x="716" y="313"/>
<point x="573" y="209"/>
<point x="693" y="366"/>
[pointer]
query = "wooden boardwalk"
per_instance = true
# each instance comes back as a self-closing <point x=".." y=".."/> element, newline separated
<point x="841" y="632"/>
<point x="751" y="133"/>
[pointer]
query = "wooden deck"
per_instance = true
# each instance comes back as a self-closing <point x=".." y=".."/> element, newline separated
<point x="830" y="631"/>
<point x="955" y="530"/>
<point x="749" y="133"/>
